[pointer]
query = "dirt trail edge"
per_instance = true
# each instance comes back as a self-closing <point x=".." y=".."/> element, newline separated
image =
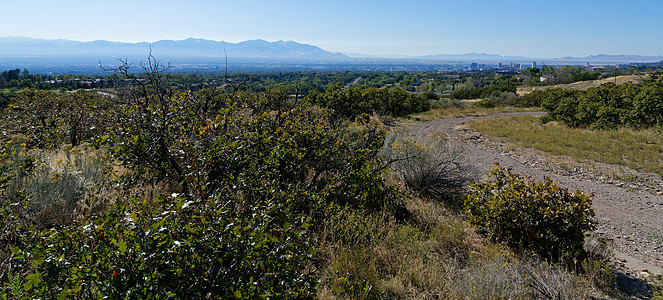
<point x="632" y="220"/>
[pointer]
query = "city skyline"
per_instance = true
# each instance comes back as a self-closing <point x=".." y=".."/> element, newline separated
<point x="387" y="28"/>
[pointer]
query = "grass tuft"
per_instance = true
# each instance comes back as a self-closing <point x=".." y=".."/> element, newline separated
<point x="60" y="184"/>
<point x="432" y="169"/>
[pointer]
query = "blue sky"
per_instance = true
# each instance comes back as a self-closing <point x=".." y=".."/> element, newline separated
<point x="540" y="29"/>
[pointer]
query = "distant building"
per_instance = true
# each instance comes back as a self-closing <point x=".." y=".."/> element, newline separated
<point x="533" y="64"/>
<point x="474" y="66"/>
<point x="515" y="66"/>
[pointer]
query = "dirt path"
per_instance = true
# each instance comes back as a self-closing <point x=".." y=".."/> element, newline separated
<point x="631" y="219"/>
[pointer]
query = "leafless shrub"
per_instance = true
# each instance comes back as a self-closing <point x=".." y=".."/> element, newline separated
<point x="488" y="279"/>
<point x="432" y="168"/>
<point x="547" y="282"/>
<point x="598" y="249"/>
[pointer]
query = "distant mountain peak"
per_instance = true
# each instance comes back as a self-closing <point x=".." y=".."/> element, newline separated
<point x="608" y="59"/>
<point x="190" y="47"/>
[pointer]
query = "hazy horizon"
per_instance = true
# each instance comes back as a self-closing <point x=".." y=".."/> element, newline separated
<point x="463" y="56"/>
<point x="378" y="28"/>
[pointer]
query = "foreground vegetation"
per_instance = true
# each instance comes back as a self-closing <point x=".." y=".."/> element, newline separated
<point x="224" y="193"/>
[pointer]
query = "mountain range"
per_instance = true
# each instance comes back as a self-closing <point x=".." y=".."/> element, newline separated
<point x="27" y="47"/>
<point x="201" y="54"/>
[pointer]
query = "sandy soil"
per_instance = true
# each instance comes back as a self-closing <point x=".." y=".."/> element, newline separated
<point x="630" y="218"/>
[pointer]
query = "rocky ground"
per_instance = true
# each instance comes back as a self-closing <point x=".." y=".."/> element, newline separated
<point x="629" y="208"/>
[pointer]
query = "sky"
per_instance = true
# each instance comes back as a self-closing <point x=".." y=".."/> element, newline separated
<point x="540" y="29"/>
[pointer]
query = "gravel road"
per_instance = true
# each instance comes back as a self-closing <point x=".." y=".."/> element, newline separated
<point x="631" y="218"/>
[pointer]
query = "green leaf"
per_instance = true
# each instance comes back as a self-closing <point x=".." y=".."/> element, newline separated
<point x="18" y="254"/>
<point x="122" y="246"/>
<point x="32" y="280"/>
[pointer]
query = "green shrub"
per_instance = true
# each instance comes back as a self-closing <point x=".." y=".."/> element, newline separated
<point x="485" y="103"/>
<point x="536" y="217"/>
<point x="482" y="92"/>
<point x="248" y="175"/>
<point x="51" y="119"/>
<point x="502" y="97"/>
<point x="13" y="163"/>
<point x="353" y="101"/>
<point x="608" y="106"/>
<point x="171" y="247"/>
<point x="533" y="99"/>
<point x="657" y="283"/>
<point x="351" y="227"/>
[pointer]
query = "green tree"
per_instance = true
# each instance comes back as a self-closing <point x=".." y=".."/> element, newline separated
<point x="26" y="83"/>
<point x="532" y="72"/>
<point x="13" y="74"/>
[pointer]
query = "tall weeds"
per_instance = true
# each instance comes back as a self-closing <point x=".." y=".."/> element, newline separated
<point x="59" y="185"/>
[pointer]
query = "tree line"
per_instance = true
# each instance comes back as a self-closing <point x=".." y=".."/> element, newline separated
<point x="608" y="106"/>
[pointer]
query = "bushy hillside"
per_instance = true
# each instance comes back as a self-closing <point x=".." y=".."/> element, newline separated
<point x="154" y="193"/>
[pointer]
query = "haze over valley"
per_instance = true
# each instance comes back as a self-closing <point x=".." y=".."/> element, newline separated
<point x="60" y="55"/>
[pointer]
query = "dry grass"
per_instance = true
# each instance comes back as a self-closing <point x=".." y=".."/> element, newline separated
<point x="63" y="184"/>
<point x="581" y="85"/>
<point x="636" y="149"/>
<point x="410" y="261"/>
<point x="435" y="256"/>
<point x="455" y="112"/>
